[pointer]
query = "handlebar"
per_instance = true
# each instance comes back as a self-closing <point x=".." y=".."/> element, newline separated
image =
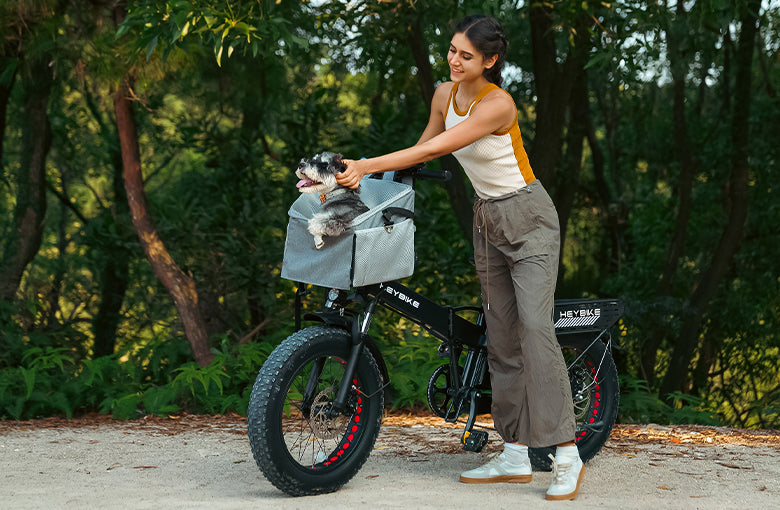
<point x="433" y="175"/>
<point x="421" y="172"/>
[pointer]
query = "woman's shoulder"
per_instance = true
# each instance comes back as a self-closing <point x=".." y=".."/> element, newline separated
<point x="445" y="88"/>
<point x="497" y="103"/>
<point x="441" y="96"/>
<point x="498" y="92"/>
<point x="499" y="97"/>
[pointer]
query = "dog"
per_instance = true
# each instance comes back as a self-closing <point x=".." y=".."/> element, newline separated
<point x="340" y="205"/>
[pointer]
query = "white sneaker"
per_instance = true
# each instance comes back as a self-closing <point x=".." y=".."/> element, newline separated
<point x="567" y="477"/>
<point x="499" y="470"/>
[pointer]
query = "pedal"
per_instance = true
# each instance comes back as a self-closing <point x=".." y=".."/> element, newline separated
<point x="475" y="440"/>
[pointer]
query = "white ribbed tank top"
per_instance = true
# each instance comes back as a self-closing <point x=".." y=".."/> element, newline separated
<point x="497" y="163"/>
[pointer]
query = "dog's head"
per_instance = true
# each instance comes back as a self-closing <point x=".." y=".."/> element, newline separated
<point x="318" y="174"/>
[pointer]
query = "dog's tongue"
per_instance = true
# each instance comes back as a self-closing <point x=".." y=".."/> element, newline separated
<point x="304" y="182"/>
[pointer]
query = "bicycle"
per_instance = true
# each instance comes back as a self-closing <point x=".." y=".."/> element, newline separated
<point x="317" y="404"/>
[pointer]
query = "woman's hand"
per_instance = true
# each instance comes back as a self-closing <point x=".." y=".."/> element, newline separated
<point x="352" y="175"/>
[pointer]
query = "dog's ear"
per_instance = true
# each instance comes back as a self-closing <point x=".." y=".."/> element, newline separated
<point x="337" y="163"/>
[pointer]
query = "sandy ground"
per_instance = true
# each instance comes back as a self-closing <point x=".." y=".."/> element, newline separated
<point x="205" y="462"/>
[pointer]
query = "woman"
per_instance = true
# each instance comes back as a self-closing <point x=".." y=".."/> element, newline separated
<point x="516" y="242"/>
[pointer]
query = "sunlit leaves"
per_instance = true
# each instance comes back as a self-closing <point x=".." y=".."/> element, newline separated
<point x="223" y="26"/>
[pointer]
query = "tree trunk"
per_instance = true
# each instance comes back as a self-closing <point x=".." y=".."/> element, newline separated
<point x="686" y="344"/>
<point x="553" y="83"/>
<point x="5" y="96"/>
<point x="115" y="273"/>
<point x="616" y="212"/>
<point x="456" y="186"/>
<point x="59" y="265"/>
<point x="568" y="183"/>
<point x="24" y="239"/>
<point x="179" y="285"/>
<point x="679" y="64"/>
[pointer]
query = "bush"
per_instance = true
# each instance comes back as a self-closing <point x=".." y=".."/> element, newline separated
<point x="50" y="383"/>
<point x="639" y="405"/>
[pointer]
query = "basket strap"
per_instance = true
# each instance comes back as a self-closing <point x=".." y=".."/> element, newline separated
<point x="395" y="211"/>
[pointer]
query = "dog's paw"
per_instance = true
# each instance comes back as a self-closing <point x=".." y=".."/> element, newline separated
<point x="318" y="242"/>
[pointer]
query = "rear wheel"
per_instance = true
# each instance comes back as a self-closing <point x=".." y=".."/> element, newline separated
<point x="595" y="394"/>
<point x="300" y="442"/>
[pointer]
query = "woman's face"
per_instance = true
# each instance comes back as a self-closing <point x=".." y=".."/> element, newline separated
<point x="466" y="62"/>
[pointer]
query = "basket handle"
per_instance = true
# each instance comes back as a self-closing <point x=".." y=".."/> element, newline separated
<point x="397" y="211"/>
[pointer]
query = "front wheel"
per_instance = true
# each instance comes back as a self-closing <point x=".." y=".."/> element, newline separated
<point x="595" y="393"/>
<point x="299" y="441"/>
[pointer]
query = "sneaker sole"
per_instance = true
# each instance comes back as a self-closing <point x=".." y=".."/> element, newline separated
<point x="498" y="479"/>
<point x="571" y="495"/>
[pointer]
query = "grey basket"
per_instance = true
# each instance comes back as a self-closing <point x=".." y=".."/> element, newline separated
<point x="372" y="253"/>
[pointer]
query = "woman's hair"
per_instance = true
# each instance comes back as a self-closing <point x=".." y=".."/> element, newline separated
<point x="486" y="34"/>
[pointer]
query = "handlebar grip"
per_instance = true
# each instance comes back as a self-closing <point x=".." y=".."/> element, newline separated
<point x="433" y="175"/>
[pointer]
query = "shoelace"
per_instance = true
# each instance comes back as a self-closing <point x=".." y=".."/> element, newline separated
<point x="560" y="471"/>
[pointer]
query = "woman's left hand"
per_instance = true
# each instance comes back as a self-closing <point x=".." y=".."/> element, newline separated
<point x="352" y="175"/>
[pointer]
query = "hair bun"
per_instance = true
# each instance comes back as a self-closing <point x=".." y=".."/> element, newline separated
<point x="487" y="36"/>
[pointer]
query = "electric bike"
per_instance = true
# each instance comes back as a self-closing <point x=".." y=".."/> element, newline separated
<point x="317" y="404"/>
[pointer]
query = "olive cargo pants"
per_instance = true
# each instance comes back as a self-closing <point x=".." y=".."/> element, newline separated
<point x="516" y="251"/>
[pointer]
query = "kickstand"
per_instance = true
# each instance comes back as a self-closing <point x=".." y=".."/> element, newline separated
<point x="473" y="440"/>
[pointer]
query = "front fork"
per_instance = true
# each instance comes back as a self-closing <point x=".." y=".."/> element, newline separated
<point x="360" y="324"/>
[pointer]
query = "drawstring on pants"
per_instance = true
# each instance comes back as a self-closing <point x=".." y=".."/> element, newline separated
<point x="481" y="224"/>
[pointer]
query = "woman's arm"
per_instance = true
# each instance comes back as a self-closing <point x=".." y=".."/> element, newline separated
<point x="494" y="113"/>
<point x="438" y="110"/>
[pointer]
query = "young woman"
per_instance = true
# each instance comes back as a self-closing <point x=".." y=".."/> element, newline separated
<point x="516" y="242"/>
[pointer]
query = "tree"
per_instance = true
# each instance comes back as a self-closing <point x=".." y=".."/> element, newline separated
<point x="736" y="207"/>
<point x="23" y="241"/>
<point x="180" y="285"/>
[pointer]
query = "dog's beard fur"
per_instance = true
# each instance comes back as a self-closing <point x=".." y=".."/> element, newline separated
<point x="318" y="175"/>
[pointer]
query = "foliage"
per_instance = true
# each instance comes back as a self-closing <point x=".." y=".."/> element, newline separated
<point x="230" y="95"/>
<point x="128" y="386"/>
<point x="640" y="405"/>
<point x="411" y="360"/>
<point x="223" y="26"/>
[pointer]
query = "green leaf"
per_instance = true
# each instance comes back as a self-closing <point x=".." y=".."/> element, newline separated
<point x="29" y="380"/>
<point x="122" y="30"/>
<point x="150" y="47"/>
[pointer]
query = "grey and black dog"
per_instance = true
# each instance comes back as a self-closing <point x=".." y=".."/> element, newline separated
<point x="340" y="205"/>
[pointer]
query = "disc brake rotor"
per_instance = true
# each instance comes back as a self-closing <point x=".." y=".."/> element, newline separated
<point x="324" y="425"/>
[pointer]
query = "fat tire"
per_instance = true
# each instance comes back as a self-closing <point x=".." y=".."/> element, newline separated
<point x="598" y="404"/>
<point x="267" y="404"/>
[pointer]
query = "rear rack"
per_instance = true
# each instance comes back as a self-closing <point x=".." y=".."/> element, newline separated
<point x="585" y="315"/>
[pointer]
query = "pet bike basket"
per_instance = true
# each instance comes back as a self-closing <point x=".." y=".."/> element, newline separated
<point x="379" y="248"/>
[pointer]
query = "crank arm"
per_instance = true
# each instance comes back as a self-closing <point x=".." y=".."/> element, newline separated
<point x="591" y="427"/>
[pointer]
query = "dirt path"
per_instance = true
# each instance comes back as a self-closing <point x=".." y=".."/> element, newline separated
<point x="205" y="462"/>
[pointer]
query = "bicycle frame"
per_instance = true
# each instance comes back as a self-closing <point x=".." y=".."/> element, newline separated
<point x="572" y="316"/>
